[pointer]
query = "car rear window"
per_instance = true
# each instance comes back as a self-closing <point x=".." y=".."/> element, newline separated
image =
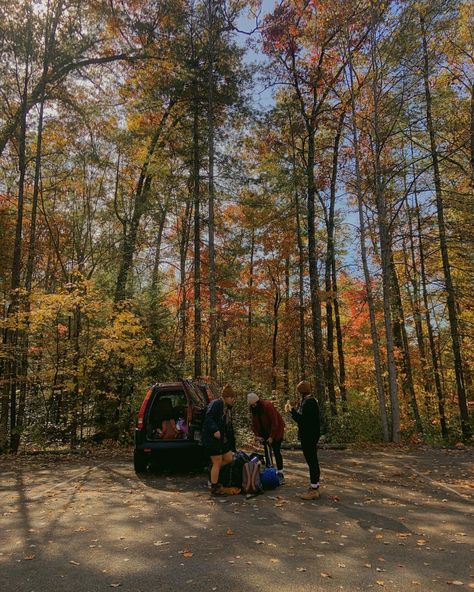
<point x="173" y="402"/>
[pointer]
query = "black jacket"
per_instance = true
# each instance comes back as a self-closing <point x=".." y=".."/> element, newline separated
<point x="216" y="420"/>
<point x="307" y="418"/>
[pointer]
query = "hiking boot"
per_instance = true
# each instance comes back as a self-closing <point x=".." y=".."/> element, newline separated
<point x="216" y="489"/>
<point x="311" y="494"/>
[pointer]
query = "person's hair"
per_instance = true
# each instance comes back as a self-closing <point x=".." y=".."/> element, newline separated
<point x="227" y="392"/>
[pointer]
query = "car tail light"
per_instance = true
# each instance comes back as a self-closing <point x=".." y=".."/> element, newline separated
<point x="141" y="413"/>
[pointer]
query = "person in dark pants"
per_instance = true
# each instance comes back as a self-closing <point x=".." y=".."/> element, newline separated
<point x="218" y="435"/>
<point x="309" y="429"/>
<point x="268" y="426"/>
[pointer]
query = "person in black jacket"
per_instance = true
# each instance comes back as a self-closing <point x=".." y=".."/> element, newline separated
<point x="307" y="418"/>
<point x="218" y="434"/>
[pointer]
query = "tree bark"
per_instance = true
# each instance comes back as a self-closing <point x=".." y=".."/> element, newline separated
<point x="276" y="308"/>
<point x="197" y="241"/>
<point x="183" y="252"/>
<point x="286" y="353"/>
<point x="431" y="340"/>
<point x="330" y="265"/>
<point x="301" y="257"/>
<point x="314" y="274"/>
<point x="385" y="244"/>
<point x="250" y="309"/>
<point x="450" y="290"/>
<point x="401" y="338"/>
<point x="213" y="338"/>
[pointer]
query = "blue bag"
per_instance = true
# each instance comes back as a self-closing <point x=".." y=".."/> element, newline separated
<point x="269" y="477"/>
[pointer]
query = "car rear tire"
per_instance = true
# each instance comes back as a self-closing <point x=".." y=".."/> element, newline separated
<point x="140" y="462"/>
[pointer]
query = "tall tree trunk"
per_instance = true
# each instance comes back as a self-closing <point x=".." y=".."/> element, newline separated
<point x="471" y="135"/>
<point x="314" y="273"/>
<point x="301" y="305"/>
<point x="183" y="304"/>
<point x="330" y="258"/>
<point x="157" y="258"/>
<point x="385" y="244"/>
<point x="13" y="336"/>
<point x="276" y="308"/>
<point x="339" y="340"/>
<point x="450" y="291"/>
<point x="250" y="309"/>
<point x="401" y="338"/>
<point x="301" y="257"/>
<point x="431" y="340"/>
<point x="365" y="264"/>
<point x="286" y="353"/>
<point x="413" y="279"/>
<point x="75" y="393"/>
<point x="197" y="241"/>
<point x="213" y="338"/>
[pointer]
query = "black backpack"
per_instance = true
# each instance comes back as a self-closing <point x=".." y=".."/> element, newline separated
<point x="231" y="474"/>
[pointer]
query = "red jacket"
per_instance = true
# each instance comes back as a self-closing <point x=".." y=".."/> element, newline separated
<point x="267" y="421"/>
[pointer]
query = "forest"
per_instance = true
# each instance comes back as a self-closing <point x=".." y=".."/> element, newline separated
<point x="250" y="192"/>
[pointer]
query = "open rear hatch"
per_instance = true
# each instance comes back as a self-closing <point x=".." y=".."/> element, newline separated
<point x="168" y="414"/>
<point x="175" y="412"/>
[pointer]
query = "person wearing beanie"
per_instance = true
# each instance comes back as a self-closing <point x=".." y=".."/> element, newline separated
<point x="218" y="434"/>
<point x="267" y="425"/>
<point x="309" y="429"/>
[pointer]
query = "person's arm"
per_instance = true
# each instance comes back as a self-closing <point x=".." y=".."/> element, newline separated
<point x="255" y="425"/>
<point x="276" y="421"/>
<point x="214" y="411"/>
<point x="296" y="415"/>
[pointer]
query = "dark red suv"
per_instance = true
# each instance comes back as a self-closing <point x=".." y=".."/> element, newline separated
<point x="169" y="422"/>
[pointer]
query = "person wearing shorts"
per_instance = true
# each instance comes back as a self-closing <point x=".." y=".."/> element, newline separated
<point x="218" y="435"/>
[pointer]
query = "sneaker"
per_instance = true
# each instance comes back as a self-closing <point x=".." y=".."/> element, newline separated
<point x="312" y="494"/>
<point x="281" y="477"/>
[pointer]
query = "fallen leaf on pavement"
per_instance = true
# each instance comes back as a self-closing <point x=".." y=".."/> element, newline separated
<point x="116" y="585"/>
<point x="260" y="542"/>
<point x="229" y="532"/>
<point x="325" y="575"/>
<point x="74" y="562"/>
<point x="301" y="569"/>
<point x="456" y="583"/>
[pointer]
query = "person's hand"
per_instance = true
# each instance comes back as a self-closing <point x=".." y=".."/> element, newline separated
<point x="288" y="406"/>
<point x="217" y="435"/>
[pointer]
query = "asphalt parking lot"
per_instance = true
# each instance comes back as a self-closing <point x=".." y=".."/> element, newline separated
<point x="389" y="519"/>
